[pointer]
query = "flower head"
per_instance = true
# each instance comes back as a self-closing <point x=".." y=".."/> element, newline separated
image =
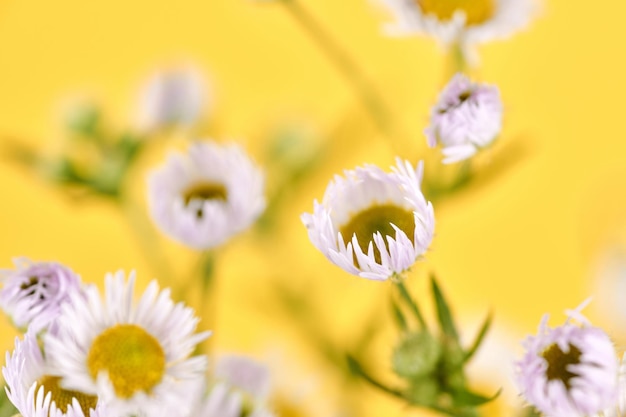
<point x="203" y="198"/>
<point x="35" y="393"/>
<point x="135" y="357"/>
<point x="463" y="22"/>
<point x="241" y="388"/>
<point x="570" y="370"/>
<point x="172" y="97"/>
<point x="33" y="293"/>
<point x="384" y="218"/>
<point x="466" y="118"/>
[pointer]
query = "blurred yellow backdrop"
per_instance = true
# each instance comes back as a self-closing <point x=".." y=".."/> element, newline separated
<point x="530" y="241"/>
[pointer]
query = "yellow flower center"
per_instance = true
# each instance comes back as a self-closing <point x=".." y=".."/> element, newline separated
<point x="378" y="218"/>
<point x="63" y="397"/>
<point x="133" y="359"/>
<point x="558" y="362"/>
<point x="476" y="11"/>
<point x="205" y="191"/>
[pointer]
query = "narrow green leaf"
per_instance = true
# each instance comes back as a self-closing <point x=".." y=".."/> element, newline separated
<point x="404" y="293"/>
<point x="443" y="312"/>
<point x="399" y="316"/>
<point x="356" y="368"/>
<point x="479" y="338"/>
<point x="467" y="398"/>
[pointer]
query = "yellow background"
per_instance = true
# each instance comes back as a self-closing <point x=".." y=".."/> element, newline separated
<point x="530" y="241"/>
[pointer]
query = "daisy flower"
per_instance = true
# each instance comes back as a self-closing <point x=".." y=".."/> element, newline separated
<point x="372" y="223"/>
<point x="466" y="118"/>
<point x="461" y="22"/>
<point x="570" y="370"/>
<point x="174" y="97"/>
<point x="37" y="393"/>
<point x="135" y="357"/>
<point x="33" y="293"/>
<point x="208" y="195"/>
<point x="241" y="388"/>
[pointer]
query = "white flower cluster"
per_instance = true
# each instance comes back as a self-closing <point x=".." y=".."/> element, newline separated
<point x="111" y="355"/>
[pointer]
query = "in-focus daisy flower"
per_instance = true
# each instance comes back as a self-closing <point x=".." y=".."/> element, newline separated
<point x="466" y="118"/>
<point x="174" y="97"/>
<point x="33" y="293"/>
<point x="135" y="357"/>
<point x="36" y="393"/>
<point x="570" y="370"/>
<point x="461" y="22"/>
<point x="241" y="388"/>
<point x="372" y="223"/>
<point x="208" y="195"/>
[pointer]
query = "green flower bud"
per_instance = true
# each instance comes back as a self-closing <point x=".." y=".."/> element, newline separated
<point x="416" y="355"/>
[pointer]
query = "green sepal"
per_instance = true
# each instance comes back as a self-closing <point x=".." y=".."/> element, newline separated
<point x="443" y="312"/>
<point x="479" y="338"/>
<point x="398" y="315"/>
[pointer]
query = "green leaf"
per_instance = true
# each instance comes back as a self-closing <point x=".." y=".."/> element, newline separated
<point x="479" y="338"/>
<point x="399" y="316"/>
<point x="356" y="368"/>
<point x="443" y="312"/>
<point x="467" y="398"/>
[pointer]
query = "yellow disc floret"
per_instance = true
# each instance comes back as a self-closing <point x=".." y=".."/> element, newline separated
<point x="63" y="397"/>
<point x="476" y="11"/>
<point x="378" y="218"/>
<point x="133" y="359"/>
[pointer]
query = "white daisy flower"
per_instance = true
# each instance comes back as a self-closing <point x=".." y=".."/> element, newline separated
<point x="174" y="97"/>
<point x="384" y="218"/>
<point x="208" y="195"/>
<point x="618" y="409"/>
<point x="135" y="357"/>
<point x="466" y="118"/>
<point x="33" y="293"/>
<point x="37" y="393"/>
<point x="570" y="370"/>
<point x="461" y="22"/>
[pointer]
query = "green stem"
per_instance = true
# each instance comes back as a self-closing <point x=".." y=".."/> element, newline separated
<point x="457" y="62"/>
<point x="404" y="293"/>
<point x="353" y="75"/>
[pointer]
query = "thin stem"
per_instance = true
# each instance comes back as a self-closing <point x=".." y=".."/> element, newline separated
<point x="404" y="293"/>
<point x="457" y="61"/>
<point x="369" y="96"/>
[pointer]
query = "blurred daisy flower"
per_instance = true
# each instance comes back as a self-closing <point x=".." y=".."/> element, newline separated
<point x="466" y="118"/>
<point x="372" y="223"/>
<point x="208" y="195"/>
<point x="460" y="22"/>
<point x="135" y="357"/>
<point x="570" y="370"/>
<point x="37" y="394"/>
<point x="241" y="389"/>
<point x="173" y="97"/>
<point x="33" y="293"/>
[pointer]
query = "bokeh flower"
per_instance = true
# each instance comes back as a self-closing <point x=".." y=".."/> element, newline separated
<point x="33" y="293"/>
<point x="37" y="394"/>
<point x="466" y="118"/>
<point x="462" y="22"/>
<point x="570" y="370"/>
<point x="241" y="388"/>
<point x="135" y="357"/>
<point x="384" y="218"/>
<point x="208" y="195"/>
<point x="173" y="97"/>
